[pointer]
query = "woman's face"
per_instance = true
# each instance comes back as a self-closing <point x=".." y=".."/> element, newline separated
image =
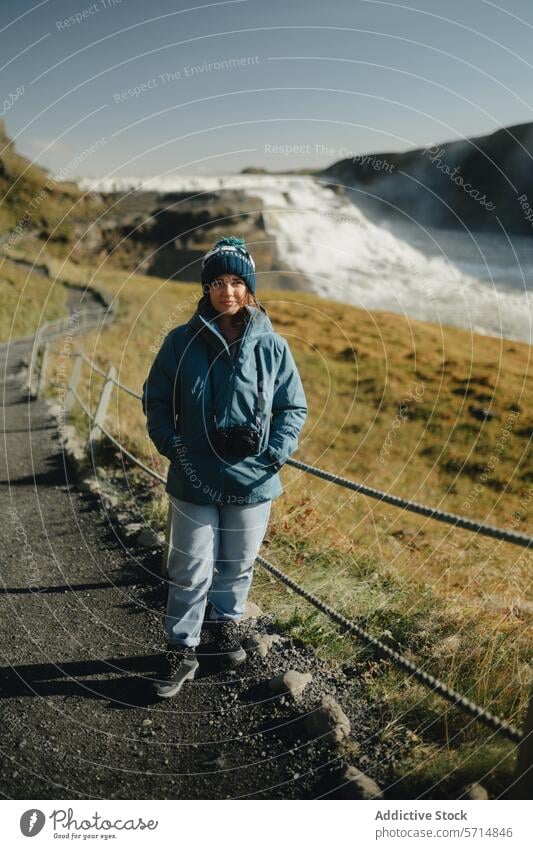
<point x="227" y="293"/>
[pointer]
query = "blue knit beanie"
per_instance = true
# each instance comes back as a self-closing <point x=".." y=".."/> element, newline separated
<point x="229" y="255"/>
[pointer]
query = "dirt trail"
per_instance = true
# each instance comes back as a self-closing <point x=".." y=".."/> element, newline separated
<point x="81" y="627"/>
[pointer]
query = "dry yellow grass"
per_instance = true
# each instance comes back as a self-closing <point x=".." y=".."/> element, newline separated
<point x="389" y="405"/>
<point x="28" y="300"/>
<point x="358" y="377"/>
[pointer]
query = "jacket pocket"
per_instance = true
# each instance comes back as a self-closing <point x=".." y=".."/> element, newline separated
<point x="248" y="474"/>
<point x="200" y="472"/>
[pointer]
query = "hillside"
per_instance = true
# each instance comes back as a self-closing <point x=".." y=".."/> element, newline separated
<point x="33" y="201"/>
<point x="29" y="298"/>
<point x="467" y="183"/>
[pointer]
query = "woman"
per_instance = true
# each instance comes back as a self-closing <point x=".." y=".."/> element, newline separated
<point x="225" y="403"/>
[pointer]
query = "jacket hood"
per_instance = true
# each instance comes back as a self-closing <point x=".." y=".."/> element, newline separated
<point x="205" y="323"/>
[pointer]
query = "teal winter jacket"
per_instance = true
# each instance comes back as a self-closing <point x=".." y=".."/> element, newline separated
<point x="179" y="406"/>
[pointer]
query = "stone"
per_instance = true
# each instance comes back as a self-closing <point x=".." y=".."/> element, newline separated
<point x="474" y="791"/>
<point x="67" y="432"/>
<point x="252" y="611"/>
<point x="86" y="484"/>
<point x="55" y="409"/>
<point x="218" y="762"/>
<point x="21" y="377"/>
<point x="328" y="718"/>
<point x="290" y="683"/>
<point x="352" y="783"/>
<point x="74" y="450"/>
<point x="132" y="529"/>
<point x="148" y="538"/>
<point x="262" y="643"/>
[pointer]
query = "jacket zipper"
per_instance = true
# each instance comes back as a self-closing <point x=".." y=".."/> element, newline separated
<point x="234" y="369"/>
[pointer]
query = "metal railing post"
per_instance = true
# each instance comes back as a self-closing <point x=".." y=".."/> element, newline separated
<point x="42" y="371"/>
<point x="101" y="410"/>
<point x="37" y="342"/>
<point x="73" y="382"/>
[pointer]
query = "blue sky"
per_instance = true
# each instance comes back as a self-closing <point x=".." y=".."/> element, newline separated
<point x="190" y="87"/>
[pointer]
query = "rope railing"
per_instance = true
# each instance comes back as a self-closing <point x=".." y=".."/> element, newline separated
<point x="128" y="390"/>
<point x="472" y="525"/>
<point x="457" y="699"/>
<point x="437" y="686"/>
<point x="102" y="373"/>
<point x="82" y="404"/>
<point x="34" y="336"/>
<point x="118" y="444"/>
<point x="92" y="365"/>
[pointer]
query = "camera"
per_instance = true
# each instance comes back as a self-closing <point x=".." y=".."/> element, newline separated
<point x="238" y="441"/>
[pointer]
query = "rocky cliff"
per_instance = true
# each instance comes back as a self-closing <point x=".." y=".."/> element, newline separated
<point x="474" y="183"/>
<point x="33" y="201"/>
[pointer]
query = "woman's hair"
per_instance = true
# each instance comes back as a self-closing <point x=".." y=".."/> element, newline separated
<point x="240" y="318"/>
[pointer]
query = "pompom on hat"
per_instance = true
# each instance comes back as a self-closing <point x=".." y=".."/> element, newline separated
<point x="229" y="255"/>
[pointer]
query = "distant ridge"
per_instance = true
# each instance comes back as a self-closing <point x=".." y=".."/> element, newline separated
<point x="451" y="184"/>
<point x="30" y="197"/>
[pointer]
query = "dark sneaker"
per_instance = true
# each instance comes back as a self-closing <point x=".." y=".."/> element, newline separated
<point x="181" y="665"/>
<point x="226" y="639"/>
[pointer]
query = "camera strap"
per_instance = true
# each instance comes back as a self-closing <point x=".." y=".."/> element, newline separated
<point x="260" y="385"/>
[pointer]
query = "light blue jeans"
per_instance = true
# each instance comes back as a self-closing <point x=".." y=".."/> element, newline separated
<point x="212" y="549"/>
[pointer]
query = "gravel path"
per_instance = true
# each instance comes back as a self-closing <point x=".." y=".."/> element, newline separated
<point x="81" y="628"/>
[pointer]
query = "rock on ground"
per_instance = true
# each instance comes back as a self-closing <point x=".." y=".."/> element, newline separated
<point x="328" y="718"/>
<point x="290" y="683"/>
